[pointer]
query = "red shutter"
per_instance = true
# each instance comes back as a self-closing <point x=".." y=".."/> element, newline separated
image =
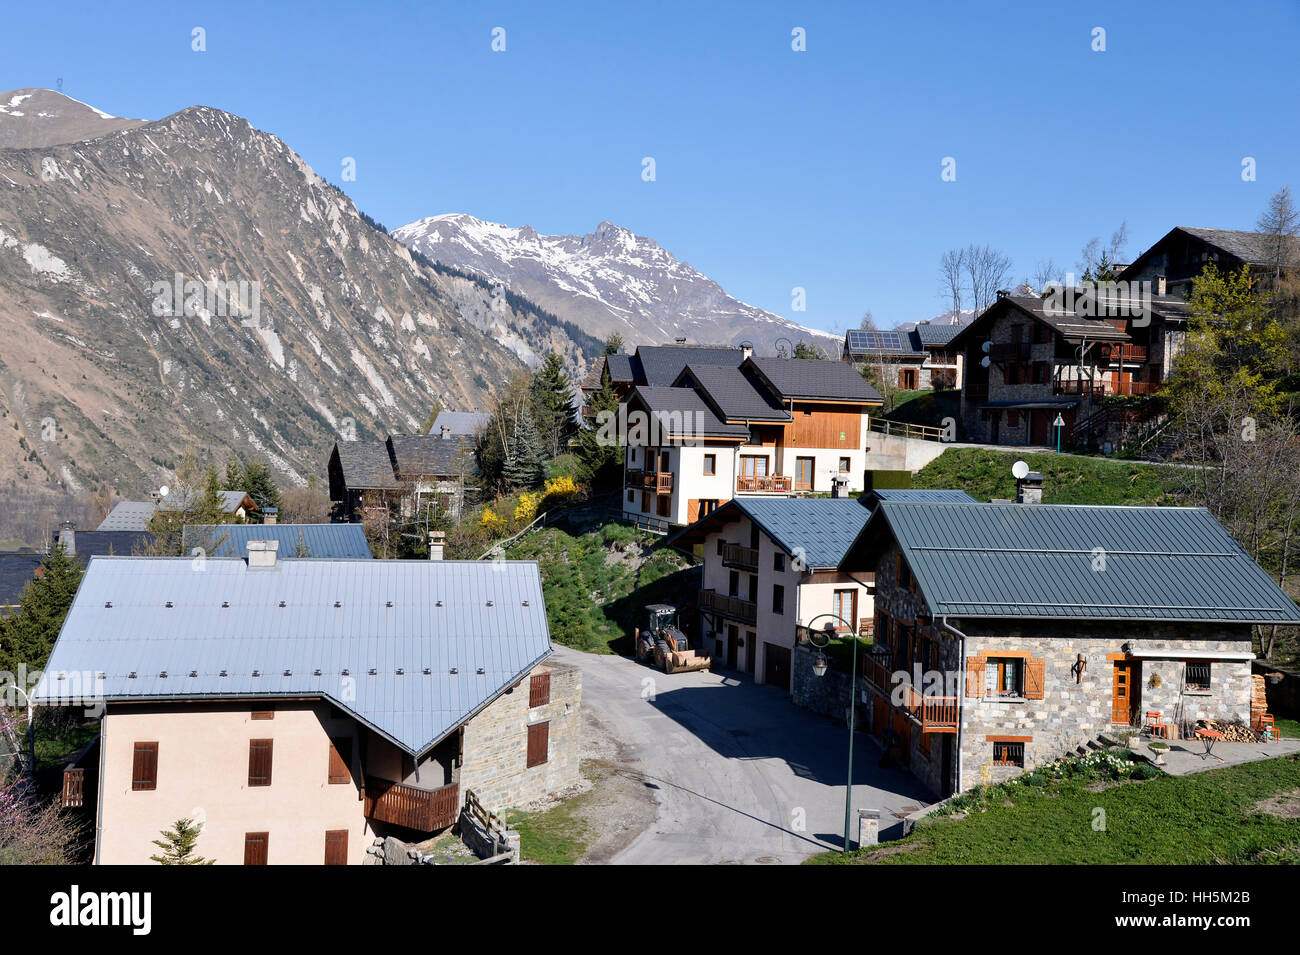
<point x="144" y="767"/>
<point x="539" y="689"/>
<point x="539" y="741"/>
<point x="340" y="761"/>
<point x="1035" y="678"/>
<point x="255" y="844"/>
<point x="259" y="762"/>
<point x="336" y="847"/>
<point x="974" y="676"/>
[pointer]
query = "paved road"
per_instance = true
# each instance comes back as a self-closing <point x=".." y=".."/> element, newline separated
<point x="741" y="774"/>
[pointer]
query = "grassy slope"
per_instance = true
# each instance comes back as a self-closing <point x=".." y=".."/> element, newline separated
<point x="925" y="407"/>
<point x="986" y="474"/>
<point x="589" y="587"/>
<point x="1205" y="818"/>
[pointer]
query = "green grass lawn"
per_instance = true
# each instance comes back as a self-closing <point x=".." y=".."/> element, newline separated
<point x="925" y="407"/>
<point x="1288" y="728"/>
<point x="1206" y="818"/>
<point x="986" y="474"/>
<point x="597" y="581"/>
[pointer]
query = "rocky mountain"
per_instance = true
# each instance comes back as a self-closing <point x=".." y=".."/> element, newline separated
<point x="192" y="280"/>
<point x="35" y="117"/>
<point x="606" y="281"/>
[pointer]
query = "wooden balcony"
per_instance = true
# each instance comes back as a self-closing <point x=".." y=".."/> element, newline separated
<point x="661" y="482"/>
<point x="74" y="788"/>
<point x="424" y="810"/>
<point x="1131" y="354"/>
<point x="744" y="558"/>
<point x="937" y="714"/>
<point x="764" y="482"/>
<point x="745" y="611"/>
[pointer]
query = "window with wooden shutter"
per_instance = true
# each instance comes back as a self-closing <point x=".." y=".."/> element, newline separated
<point x="336" y="847"/>
<point x="263" y="714"/>
<point x="539" y="743"/>
<point x="340" y="761"/>
<point x="539" y="689"/>
<point x="144" y="767"/>
<point x="259" y="762"/>
<point x="255" y="844"/>
<point x="1035" y="678"/>
<point x="975" y="676"/>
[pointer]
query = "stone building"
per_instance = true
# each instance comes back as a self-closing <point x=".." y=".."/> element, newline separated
<point x="1010" y="634"/>
<point x="300" y="708"/>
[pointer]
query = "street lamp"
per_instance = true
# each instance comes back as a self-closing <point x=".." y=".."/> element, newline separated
<point x="821" y="639"/>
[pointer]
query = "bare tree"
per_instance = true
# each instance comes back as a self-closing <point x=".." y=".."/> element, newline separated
<point x="950" y="277"/>
<point x="1045" y="273"/>
<point x="1098" y="261"/>
<point x="1280" y="222"/>
<point x="868" y="323"/>
<point x="987" y="270"/>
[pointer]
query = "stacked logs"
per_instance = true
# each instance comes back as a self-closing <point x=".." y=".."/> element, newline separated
<point x="1232" y="732"/>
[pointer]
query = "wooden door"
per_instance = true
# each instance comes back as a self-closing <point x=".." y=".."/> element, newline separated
<point x="733" y="644"/>
<point x="255" y="848"/>
<point x="776" y="665"/>
<point x="1038" y="427"/>
<point x="336" y="847"/>
<point x="1124" y="700"/>
<point x="803" y="473"/>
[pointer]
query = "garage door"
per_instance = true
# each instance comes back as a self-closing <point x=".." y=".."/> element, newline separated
<point x="776" y="668"/>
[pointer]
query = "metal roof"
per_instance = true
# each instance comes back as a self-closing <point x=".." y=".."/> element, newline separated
<point x="817" y="530"/>
<point x="314" y="540"/>
<point x="659" y="365"/>
<point x="921" y="495"/>
<point x="671" y="406"/>
<point x="468" y="423"/>
<point x="445" y="616"/>
<point x="1046" y="560"/>
<point x="737" y="395"/>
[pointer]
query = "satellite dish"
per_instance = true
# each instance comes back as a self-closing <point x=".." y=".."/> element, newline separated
<point x="164" y="490"/>
<point x="1020" y="470"/>
<point x="985" y="362"/>
<point x="986" y="347"/>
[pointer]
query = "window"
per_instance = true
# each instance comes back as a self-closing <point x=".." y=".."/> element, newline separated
<point x="1004" y="676"/>
<point x="631" y="496"/>
<point x="259" y="762"/>
<point x="263" y="714"/>
<point x="753" y="465"/>
<point x="905" y="579"/>
<point x="144" y="767"/>
<point x="721" y="544"/>
<point x="778" y="599"/>
<point x="778" y="562"/>
<point x="340" y="756"/>
<point x="803" y="473"/>
<point x="539" y="741"/>
<point x="645" y="502"/>
<point x="1040" y="372"/>
<point x="1040" y="334"/>
<point x="1197" y="676"/>
<point x="710" y="464"/>
<point x="845" y="605"/>
<point x="1007" y="753"/>
<point x="708" y="506"/>
<point x="336" y="847"/>
<point x="1017" y="334"/>
<point x="255" y="844"/>
<point x="844" y="465"/>
<point x="539" y="689"/>
<point x="1013" y="418"/>
<point x="632" y="455"/>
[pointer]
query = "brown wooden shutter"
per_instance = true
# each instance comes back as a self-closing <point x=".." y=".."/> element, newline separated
<point x="336" y="847"/>
<point x="340" y="761"/>
<point x="539" y="689"/>
<point x="255" y="847"/>
<point x="974" y="676"/>
<point x="539" y="741"/>
<point x="1035" y="678"/>
<point x="263" y="714"/>
<point x="144" y="767"/>
<point x="259" y="762"/>
<point x="692" y="510"/>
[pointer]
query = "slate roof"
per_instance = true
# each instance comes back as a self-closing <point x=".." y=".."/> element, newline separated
<point x="88" y="544"/>
<point x="817" y="530"/>
<point x="17" y="568"/>
<point x="1251" y="247"/>
<point x="936" y="336"/>
<point x="128" y="516"/>
<point x="367" y="465"/>
<point x="429" y="455"/>
<point x="468" y="423"/>
<point x="815" y="379"/>
<point x="451" y="618"/>
<point x="672" y="406"/>
<point x="659" y="365"/>
<point x="319" y="540"/>
<point x="1038" y="561"/>
<point x="737" y="395"/>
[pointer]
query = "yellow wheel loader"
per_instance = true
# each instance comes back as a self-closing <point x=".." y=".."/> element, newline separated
<point x="663" y="644"/>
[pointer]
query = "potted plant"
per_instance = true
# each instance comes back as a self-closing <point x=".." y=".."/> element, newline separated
<point x="1159" y="747"/>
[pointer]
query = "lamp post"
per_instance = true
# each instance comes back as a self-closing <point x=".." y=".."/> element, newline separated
<point x="1059" y="425"/>
<point x="821" y="639"/>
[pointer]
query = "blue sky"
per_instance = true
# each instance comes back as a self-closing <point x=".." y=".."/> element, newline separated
<point x="774" y="168"/>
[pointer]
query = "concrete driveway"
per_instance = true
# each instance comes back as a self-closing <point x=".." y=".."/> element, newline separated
<point x="741" y="774"/>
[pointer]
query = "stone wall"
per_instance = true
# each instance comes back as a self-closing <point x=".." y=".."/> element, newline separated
<point x="827" y="695"/>
<point x="495" y="753"/>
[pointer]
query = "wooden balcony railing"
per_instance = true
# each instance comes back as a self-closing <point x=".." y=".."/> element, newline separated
<point x="745" y="611"/>
<point x="74" y="788"/>
<point x="1132" y="354"/>
<point x="661" y="482"/>
<point x="937" y="714"/>
<point x="424" y="810"/>
<point x="746" y="558"/>
<point x="764" y="482"/>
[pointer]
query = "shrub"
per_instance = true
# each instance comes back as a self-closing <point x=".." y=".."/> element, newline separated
<point x="1144" y="771"/>
<point x="526" y="509"/>
<point x="490" y="521"/>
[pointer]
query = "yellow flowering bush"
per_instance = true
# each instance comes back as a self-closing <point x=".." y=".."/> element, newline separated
<point x="526" y="509"/>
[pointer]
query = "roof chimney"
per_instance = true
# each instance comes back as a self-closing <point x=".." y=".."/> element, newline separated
<point x="68" y="538"/>
<point x="1029" y="489"/>
<point x="437" y="540"/>
<point x="262" y="553"/>
<point x="1161" y="285"/>
<point x="681" y="339"/>
<point x="446" y="432"/>
<point x="839" y="487"/>
<point x="746" y="351"/>
<point x="270" y="515"/>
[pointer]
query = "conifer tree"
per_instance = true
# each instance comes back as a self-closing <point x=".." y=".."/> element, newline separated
<point x="599" y="458"/>
<point x="28" y="636"/>
<point x="177" y="845"/>
<point x="523" y="465"/>
<point x="552" y="396"/>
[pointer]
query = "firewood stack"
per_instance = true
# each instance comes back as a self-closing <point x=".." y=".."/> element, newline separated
<point x="1258" y="699"/>
<point x="1232" y="732"/>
